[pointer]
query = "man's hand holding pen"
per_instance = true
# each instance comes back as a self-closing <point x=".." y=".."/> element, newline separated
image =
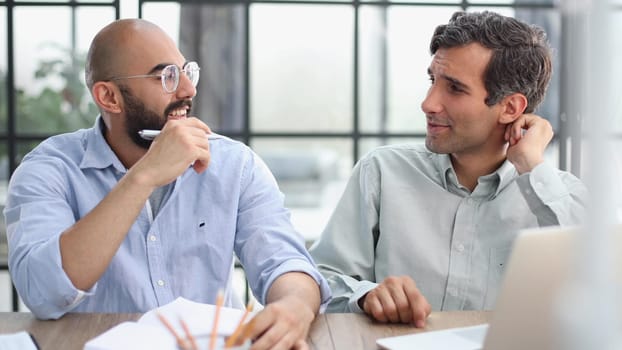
<point x="292" y="303"/>
<point x="283" y="324"/>
<point x="180" y="142"/>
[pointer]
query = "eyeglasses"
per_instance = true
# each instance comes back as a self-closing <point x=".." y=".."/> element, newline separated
<point x="170" y="76"/>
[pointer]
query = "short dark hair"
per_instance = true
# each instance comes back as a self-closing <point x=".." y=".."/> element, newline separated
<point x="521" y="56"/>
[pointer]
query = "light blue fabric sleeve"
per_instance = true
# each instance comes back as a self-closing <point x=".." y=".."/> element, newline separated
<point x="35" y="217"/>
<point x="266" y="241"/>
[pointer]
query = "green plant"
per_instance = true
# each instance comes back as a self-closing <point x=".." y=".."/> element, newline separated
<point x="53" y="109"/>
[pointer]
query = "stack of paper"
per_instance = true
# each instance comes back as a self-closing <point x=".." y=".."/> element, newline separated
<point x="149" y="332"/>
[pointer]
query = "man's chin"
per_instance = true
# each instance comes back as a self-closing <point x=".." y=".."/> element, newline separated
<point x="434" y="148"/>
<point x="139" y="141"/>
<point x="144" y="144"/>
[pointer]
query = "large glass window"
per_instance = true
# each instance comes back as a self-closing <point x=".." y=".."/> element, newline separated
<point x="314" y="83"/>
<point x="51" y="96"/>
<point x="616" y="56"/>
<point x="301" y="68"/>
<point x="311" y="173"/>
<point x="4" y="164"/>
<point x="3" y="74"/>
<point x="42" y="89"/>
<point x="164" y="14"/>
<point x="394" y="57"/>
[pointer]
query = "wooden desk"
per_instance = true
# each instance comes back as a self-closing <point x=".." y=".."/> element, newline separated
<point x="328" y="332"/>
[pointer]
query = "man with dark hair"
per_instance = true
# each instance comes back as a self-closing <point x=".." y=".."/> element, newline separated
<point x="445" y="215"/>
<point x="102" y="220"/>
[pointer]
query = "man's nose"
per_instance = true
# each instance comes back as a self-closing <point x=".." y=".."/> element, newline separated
<point x="431" y="104"/>
<point x="185" y="89"/>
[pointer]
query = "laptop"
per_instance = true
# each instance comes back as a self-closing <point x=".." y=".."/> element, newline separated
<point x="524" y="314"/>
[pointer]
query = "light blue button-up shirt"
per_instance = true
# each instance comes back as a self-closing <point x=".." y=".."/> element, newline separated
<point x="186" y="250"/>
<point x="403" y="212"/>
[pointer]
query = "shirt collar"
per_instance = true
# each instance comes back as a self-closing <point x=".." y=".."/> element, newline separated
<point x="502" y="177"/>
<point x="507" y="173"/>
<point x="446" y="170"/>
<point x="97" y="152"/>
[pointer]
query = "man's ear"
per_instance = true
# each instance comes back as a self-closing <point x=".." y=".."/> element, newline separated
<point x="107" y="96"/>
<point x="512" y="107"/>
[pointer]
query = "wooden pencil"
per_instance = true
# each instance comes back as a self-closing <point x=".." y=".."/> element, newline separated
<point x="238" y="330"/>
<point x="214" y="335"/>
<point x="180" y="341"/>
<point x="247" y="330"/>
<point x="189" y="336"/>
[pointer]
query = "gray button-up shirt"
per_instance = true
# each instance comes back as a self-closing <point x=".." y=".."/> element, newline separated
<point x="403" y="212"/>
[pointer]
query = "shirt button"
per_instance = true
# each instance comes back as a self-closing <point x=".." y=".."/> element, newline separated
<point x="460" y="247"/>
<point x="452" y="292"/>
<point x="160" y="283"/>
<point x="153" y="238"/>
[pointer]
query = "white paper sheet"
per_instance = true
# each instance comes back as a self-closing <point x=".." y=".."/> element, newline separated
<point x="17" y="341"/>
<point x="464" y="338"/>
<point x="149" y="332"/>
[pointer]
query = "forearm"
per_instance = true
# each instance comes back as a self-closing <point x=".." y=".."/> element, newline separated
<point x="89" y="245"/>
<point x="298" y="287"/>
<point x="293" y="301"/>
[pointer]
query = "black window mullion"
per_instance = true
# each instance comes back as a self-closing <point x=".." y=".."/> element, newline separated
<point x="12" y="136"/>
<point x="246" y="128"/>
<point x="356" y="132"/>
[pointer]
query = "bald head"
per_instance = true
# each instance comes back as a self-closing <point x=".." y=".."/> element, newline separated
<point x="116" y="45"/>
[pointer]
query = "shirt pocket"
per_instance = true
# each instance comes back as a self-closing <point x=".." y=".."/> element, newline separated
<point x="498" y="259"/>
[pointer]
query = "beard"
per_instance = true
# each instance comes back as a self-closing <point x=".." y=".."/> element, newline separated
<point x="139" y="117"/>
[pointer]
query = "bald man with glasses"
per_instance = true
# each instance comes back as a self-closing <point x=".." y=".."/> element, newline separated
<point x="102" y="220"/>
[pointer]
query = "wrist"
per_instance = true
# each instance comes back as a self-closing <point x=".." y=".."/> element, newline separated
<point x="361" y="301"/>
<point x="527" y="166"/>
<point x="138" y="181"/>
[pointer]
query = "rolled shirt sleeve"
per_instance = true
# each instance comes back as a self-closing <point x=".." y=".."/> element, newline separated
<point x="35" y="218"/>
<point x="560" y="192"/>
<point x="266" y="242"/>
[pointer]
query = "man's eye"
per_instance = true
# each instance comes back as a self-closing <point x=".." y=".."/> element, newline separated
<point x="431" y="78"/>
<point x="169" y="75"/>
<point x="455" y="88"/>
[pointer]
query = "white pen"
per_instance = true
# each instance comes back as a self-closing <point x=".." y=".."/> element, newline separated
<point x="149" y="134"/>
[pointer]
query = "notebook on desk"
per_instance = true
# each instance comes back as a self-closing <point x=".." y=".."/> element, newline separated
<point x="523" y="317"/>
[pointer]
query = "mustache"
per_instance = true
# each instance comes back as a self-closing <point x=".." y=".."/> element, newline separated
<point x="436" y="120"/>
<point x="178" y="104"/>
